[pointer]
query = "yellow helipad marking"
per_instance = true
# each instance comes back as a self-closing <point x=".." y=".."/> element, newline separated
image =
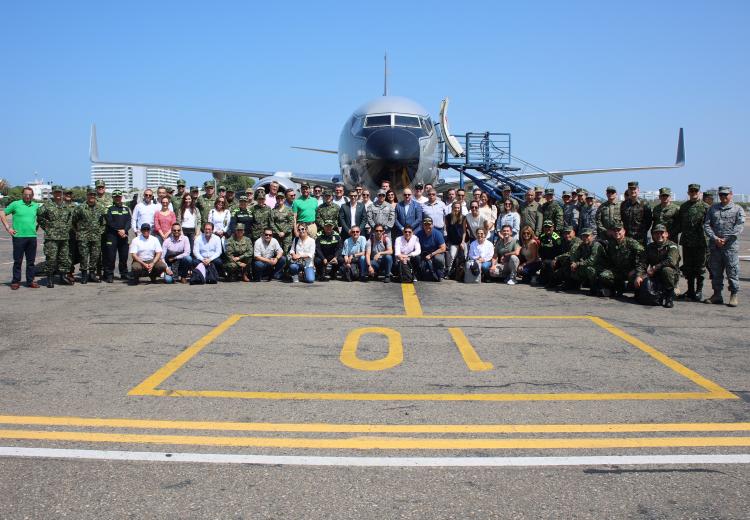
<point x="411" y="302"/>
<point x="394" y="357"/>
<point x="471" y="358"/>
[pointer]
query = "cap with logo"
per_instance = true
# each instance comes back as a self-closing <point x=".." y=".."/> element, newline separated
<point x="208" y="184"/>
<point x="427" y="220"/>
<point x="696" y="187"/>
<point x="659" y="227"/>
<point x="709" y="193"/>
<point x="665" y="191"/>
<point x="239" y="227"/>
<point x="327" y="193"/>
<point x="90" y="190"/>
<point x="304" y="185"/>
<point x="617" y="225"/>
<point x="117" y="193"/>
<point x="419" y="186"/>
<point x="194" y="188"/>
<point x="632" y="184"/>
<point x="568" y="229"/>
<point x="230" y="190"/>
<point x="243" y="198"/>
<point x="145" y="226"/>
<point x="549" y="191"/>
<point x="328" y="222"/>
<point x="382" y="192"/>
<point x="222" y="188"/>
<point x="548" y="223"/>
<point x="725" y="190"/>
<point x="99" y="182"/>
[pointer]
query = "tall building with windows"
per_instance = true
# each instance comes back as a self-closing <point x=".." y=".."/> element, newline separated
<point x="133" y="178"/>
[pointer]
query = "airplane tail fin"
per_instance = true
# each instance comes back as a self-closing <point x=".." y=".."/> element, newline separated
<point x="680" y="161"/>
<point x="93" y="146"/>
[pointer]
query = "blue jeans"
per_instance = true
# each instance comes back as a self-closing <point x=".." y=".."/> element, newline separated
<point x="183" y="265"/>
<point x="24" y="246"/>
<point x="486" y="267"/>
<point x="309" y="272"/>
<point x="261" y="269"/>
<point x="383" y="265"/>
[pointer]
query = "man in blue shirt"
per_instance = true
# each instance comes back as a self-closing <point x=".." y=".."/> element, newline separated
<point x="432" y="258"/>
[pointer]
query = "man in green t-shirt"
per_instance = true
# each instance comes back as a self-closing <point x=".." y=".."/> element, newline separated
<point x="304" y="209"/>
<point x="24" y="236"/>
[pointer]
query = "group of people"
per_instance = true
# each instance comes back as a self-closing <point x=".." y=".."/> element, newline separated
<point x="322" y="234"/>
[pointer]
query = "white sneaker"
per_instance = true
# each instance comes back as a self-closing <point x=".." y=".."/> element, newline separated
<point x="511" y="281"/>
<point x="295" y="278"/>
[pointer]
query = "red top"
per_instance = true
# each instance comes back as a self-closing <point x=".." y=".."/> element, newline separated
<point x="163" y="223"/>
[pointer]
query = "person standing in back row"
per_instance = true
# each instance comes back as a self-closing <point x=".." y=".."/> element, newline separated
<point x="725" y="222"/>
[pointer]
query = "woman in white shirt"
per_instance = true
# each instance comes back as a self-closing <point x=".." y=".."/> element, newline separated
<point x="474" y="220"/>
<point x="189" y="218"/>
<point x="219" y="216"/>
<point x="408" y="250"/>
<point x="489" y="212"/>
<point x="510" y="218"/>
<point x="480" y="255"/>
<point x="301" y="256"/>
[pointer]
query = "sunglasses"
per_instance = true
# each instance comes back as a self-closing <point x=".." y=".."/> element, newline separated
<point x="267" y="234"/>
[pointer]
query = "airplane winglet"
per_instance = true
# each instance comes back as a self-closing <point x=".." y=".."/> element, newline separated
<point x="680" y="161"/>
<point x="93" y="146"/>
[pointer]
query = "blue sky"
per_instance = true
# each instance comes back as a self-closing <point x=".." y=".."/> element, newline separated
<point x="234" y="84"/>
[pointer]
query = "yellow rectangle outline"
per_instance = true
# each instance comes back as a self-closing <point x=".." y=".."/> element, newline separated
<point x="149" y="387"/>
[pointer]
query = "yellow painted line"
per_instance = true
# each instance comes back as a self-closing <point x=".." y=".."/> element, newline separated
<point x="411" y="301"/>
<point x="148" y="386"/>
<point x="676" y="366"/>
<point x="162" y="424"/>
<point x="415" y="317"/>
<point x="471" y="358"/>
<point x="381" y="443"/>
<point x="394" y="357"/>
<point x="332" y="396"/>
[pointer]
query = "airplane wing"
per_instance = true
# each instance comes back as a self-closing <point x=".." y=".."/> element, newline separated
<point x="321" y="150"/>
<point x="217" y="172"/>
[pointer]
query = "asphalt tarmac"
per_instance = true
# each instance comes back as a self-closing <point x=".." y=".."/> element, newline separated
<point x="338" y="400"/>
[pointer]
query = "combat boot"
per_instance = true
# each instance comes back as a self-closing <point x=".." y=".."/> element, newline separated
<point x="64" y="280"/>
<point x="715" y="299"/>
<point x="668" y="301"/>
<point x="84" y="277"/>
<point x="93" y="277"/>
<point x="50" y="281"/>
<point x="690" y="294"/>
<point x="733" y="300"/>
<point x="698" y="289"/>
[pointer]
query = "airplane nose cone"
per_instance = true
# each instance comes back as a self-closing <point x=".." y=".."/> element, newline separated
<point x="395" y="146"/>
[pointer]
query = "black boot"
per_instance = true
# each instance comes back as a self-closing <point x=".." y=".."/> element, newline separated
<point x="690" y="294"/>
<point x="50" y="281"/>
<point x="668" y="301"/>
<point x="698" y="289"/>
<point x="93" y="277"/>
<point x="64" y="280"/>
<point x="84" y="277"/>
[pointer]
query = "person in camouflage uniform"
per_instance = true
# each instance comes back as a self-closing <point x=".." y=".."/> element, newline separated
<point x="693" y="241"/>
<point x="177" y="197"/>
<point x="561" y="272"/>
<point x="205" y="202"/>
<point x="635" y="214"/>
<point x="571" y="213"/>
<point x="723" y="225"/>
<point x="238" y="254"/>
<point x="241" y="214"/>
<point x="231" y="201"/>
<point x="531" y="214"/>
<point x="282" y="222"/>
<point x="55" y="218"/>
<point x="665" y="213"/>
<point x="326" y="211"/>
<point x="75" y="256"/>
<point x="660" y="261"/>
<point x="608" y="215"/>
<point x="587" y="214"/>
<point x="261" y="214"/>
<point x="584" y="260"/>
<point x="89" y="224"/>
<point x="104" y="200"/>
<point x="551" y="209"/>
<point x="618" y="264"/>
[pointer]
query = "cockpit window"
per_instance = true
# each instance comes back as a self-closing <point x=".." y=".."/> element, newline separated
<point x="371" y="121"/>
<point x="410" y="121"/>
<point x="427" y="125"/>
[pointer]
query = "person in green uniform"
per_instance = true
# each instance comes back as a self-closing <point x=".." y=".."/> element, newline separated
<point x="261" y="214"/>
<point x="531" y="214"/>
<point x="693" y="241"/>
<point x="178" y="195"/>
<point x="665" y="213"/>
<point x="551" y="209"/>
<point x="55" y="218"/>
<point x="205" y="202"/>
<point x="561" y="273"/>
<point x="608" y="215"/>
<point x="635" y="214"/>
<point x="238" y="255"/>
<point x="89" y="224"/>
<point x="659" y="265"/>
<point x="282" y="222"/>
<point x="326" y="211"/>
<point x="584" y="260"/>
<point x="619" y="263"/>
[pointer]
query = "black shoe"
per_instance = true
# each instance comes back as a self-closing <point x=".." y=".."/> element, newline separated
<point x="84" y="277"/>
<point x="94" y="278"/>
<point x="109" y="279"/>
<point x="669" y="301"/>
<point x="50" y="282"/>
<point x="64" y="280"/>
<point x="698" y="289"/>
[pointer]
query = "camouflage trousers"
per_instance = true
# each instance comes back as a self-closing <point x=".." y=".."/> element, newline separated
<point x="617" y="279"/>
<point x="693" y="261"/>
<point x="723" y="260"/>
<point x="56" y="256"/>
<point x="91" y="253"/>
<point x="669" y="277"/>
<point x="586" y="274"/>
<point x="234" y="269"/>
<point x="285" y="242"/>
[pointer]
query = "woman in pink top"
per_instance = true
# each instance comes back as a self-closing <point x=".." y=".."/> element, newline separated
<point x="163" y="220"/>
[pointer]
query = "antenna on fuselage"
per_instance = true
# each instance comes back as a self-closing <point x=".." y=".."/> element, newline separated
<point x="385" y="74"/>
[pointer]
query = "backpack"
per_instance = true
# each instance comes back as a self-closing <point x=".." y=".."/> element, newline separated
<point x="650" y="292"/>
<point x="204" y="275"/>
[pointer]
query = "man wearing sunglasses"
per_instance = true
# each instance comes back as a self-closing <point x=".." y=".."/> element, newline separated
<point x="144" y="211"/>
<point x="269" y="258"/>
<point x="408" y="213"/>
<point x="352" y="259"/>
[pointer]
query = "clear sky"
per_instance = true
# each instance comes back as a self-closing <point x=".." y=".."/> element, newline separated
<point x="234" y="84"/>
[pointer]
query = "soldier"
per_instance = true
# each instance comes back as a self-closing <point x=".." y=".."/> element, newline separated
<point x="618" y="264"/>
<point x="635" y="214"/>
<point x="118" y="218"/>
<point x="531" y="214"/>
<point x="54" y="218"/>
<point x="205" y="202"/>
<point x="659" y="263"/>
<point x="666" y="212"/>
<point x="238" y="254"/>
<point x="561" y="264"/>
<point x="551" y="209"/>
<point x="550" y="245"/>
<point x="538" y="194"/>
<point x="507" y="195"/>
<point x="75" y="256"/>
<point x="89" y="224"/>
<point x="571" y="212"/>
<point x="587" y="213"/>
<point x="102" y="197"/>
<point x="261" y="215"/>
<point x="580" y="194"/>
<point x="231" y="202"/>
<point x="584" y="259"/>
<point x="177" y="198"/>
<point x="241" y="214"/>
<point x="608" y="215"/>
<point x="723" y="226"/>
<point x="708" y="197"/>
<point x="328" y="210"/>
<point x="693" y="241"/>
<point x="282" y="222"/>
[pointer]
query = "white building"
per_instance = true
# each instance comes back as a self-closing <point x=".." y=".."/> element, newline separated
<point x="133" y="178"/>
<point x="42" y="190"/>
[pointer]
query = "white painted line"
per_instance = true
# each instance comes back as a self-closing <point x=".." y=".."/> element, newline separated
<point x="286" y="460"/>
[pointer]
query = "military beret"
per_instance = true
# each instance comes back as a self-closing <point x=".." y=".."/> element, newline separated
<point x="328" y="222"/>
<point x="117" y="193"/>
<point x="696" y="187"/>
<point x="194" y="188"/>
<point x="57" y="187"/>
<point x="506" y="187"/>
<point x="659" y="228"/>
<point x="181" y="182"/>
<point x="632" y="184"/>
<point x="538" y="189"/>
<point x="611" y="188"/>
<point x="725" y="190"/>
<point x="222" y="188"/>
<point x="99" y="182"/>
<point x="208" y="184"/>
<point x="548" y="223"/>
<point x="587" y="231"/>
<point x="549" y="191"/>
<point x="427" y="220"/>
<point x="243" y="198"/>
<point x="568" y="229"/>
<point x="239" y="227"/>
<point x="665" y="191"/>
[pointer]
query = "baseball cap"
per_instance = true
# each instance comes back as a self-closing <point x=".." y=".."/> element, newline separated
<point x="568" y="229"/>
<point x="99" y="182"/>
<point x="587" y="231"/>
<point x="549" y="191"/>
<point x="382" y="192"/>
<point x="632" y="184"/>
<point x="659" y="227"/>
<point x="611" y="189"/>
<point x="145" y="226"/>
<point x="222" y="188"/>
<point x="696" y="187"/>
<point x="665" y="191"/>
<point x="328" y="222"/>
<point x="117" y="193"/>
<point x="243" y="198"/>
<point x="194" y="188"/>
<point x="57" y="187"/>
<point x="239" y="227"/>
<point x="725" y="190"/>
<point x="419" y="186"/>
<point x="427" y="220"/>
<point x="181" y="182"/>
<point x="547" y="223"/>
<point x="208" y="184"/>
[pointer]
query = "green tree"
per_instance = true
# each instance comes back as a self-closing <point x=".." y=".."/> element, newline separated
<point x="238" y="182"/>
